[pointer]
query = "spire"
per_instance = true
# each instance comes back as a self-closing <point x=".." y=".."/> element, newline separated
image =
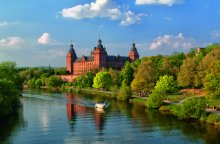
<point x="99" y="44"/>
<point x="133" y="47"/>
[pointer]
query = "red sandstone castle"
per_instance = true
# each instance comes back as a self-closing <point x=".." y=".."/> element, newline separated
<point x="99" y="58"/>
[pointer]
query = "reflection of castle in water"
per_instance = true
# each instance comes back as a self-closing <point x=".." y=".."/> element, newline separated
<point x="73" y="110"/>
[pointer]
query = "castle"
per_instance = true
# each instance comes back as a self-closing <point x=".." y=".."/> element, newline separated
<point x="76" y="66"/>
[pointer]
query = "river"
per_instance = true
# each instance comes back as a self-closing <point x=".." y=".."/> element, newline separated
<point x="56" y="118"/>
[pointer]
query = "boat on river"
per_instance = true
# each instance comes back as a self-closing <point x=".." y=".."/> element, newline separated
<point x="101" y="105"/>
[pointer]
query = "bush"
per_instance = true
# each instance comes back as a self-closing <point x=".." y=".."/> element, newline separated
<point x="124" y="93"/>
<point x="192" y="108"/>
<point x="155" y="99"/>
<point x="213" y="119"/>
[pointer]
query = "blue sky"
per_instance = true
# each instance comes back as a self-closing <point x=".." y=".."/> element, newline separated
<point x="38" y="33"/>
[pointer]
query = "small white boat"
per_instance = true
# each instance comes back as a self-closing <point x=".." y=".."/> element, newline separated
<point x="101" y="105"/>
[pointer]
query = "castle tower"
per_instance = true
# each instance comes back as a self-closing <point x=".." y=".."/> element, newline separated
<point x="133" y="54"/>
<point x="70" y="58"/>
<point x="100" y="55"/>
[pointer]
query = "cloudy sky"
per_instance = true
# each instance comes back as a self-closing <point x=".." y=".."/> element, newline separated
<point x="39" y="32"/>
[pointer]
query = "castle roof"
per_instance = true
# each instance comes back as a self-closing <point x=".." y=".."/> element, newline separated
<point x="87" y="58"/>
<point x="99" y="44"/>
<point x="72" y="51"/>
<point x="133" y="48"/>
<point x="116" y="58"/>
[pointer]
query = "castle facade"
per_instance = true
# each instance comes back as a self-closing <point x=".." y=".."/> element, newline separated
<point x="98" y="58"/>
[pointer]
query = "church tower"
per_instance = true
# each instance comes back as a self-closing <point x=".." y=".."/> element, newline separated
<point x="70" y="58"/>
<point x="100" y="55"/>
<point x="133" y="54"/>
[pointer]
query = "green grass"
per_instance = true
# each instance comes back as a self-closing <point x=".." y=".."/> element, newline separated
<point x="138" y="100"/>
<point x="178" y="97"/>
<point x="213" y="102"/>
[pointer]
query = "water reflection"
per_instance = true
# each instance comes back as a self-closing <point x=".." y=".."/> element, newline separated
<point x="73" y="110"/>
<point x="10" y="124"/>
<point x="70" y="118"/>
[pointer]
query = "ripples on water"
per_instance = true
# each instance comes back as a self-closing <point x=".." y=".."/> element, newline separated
<point x="67" y="118"/>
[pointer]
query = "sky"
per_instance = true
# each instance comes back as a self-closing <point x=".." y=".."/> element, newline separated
<point x="39" y="32"/>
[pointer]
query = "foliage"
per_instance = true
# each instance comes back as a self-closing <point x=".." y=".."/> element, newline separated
<point x="212" y="81"/>
<point x="9" y="97"/>
<point x="84" y="81"/>
<point x="55" y="82"/>
<point x="128" y="73"/>
<point x="213" y="119"/>
<point x="166" y="84"/>
<point x="116" y="79"/>
<point x="155" y="99"/>
<point x="102" y="80"/>
<point x="60" y="71"/>
<point x="191" y="108"/>
<point x="38" y="83"/>
<point x="145" y="78"/>
<point x="124" y="93"/>
<point x="10" y="88"/>
<point x="208" y="62"/>
<point x="187" y="75"/>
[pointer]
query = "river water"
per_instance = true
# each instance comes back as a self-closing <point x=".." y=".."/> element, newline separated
<point x="56" y="118"/>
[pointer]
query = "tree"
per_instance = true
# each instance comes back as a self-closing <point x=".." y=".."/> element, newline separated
<point x="128" y="73"/>
<point x="102" y="80"/>
<point x="212" y="56"/>
<point x="155" y="99"/>
<point x="124" y="93"/>
<point x="166" y="84"/>
<point x="38" y="83"/>
<point x="212" y="80"/>
<point x="115" y="74"/>
<point x="187" y="75"/>
<point x="55" y="82"/>
<point x="145" y="78"/>
<point x="191" y="108"/>
<point x="10" y="88"/>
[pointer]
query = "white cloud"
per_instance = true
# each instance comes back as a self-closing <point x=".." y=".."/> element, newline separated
<point x="172" y="42"/>
<point x="215" y="34"/>
<point x="44" y="38"/>
<point x="11" y="42"/>
<point x="3" y="23"/>
<point x="6" y="23"/>
<point x="131" y="18"/>
<point x="104" y="9"/>
<point x="158" y="2"/>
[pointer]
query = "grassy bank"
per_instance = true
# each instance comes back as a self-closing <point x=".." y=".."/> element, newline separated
<point x="108" y="94"/>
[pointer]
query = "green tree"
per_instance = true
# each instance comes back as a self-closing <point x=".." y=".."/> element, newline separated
<point x="191" y="108"/>
<point x="187" y="75"/>
<point x="102" y="80"/>
<point x="38" y="83"/>
<point x="128" y="73"/>
<point x="155" y="99"/>
<point x="115" y="74"/>
<point x="55" y="82"/>
<point x="124" y="93"/>
<point x="145" y="79"/>
<point x="10" y="88"/>
<point x="212" y="81"/>
<point x="207" y="62"/>
<point x="166" y="84"/>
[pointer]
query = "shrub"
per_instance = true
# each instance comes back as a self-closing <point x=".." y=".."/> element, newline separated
<point x="191" y="108"/>
<point x="213" y="118"/>
<point x="155" y="99"/>
<point x="124" y="93"/>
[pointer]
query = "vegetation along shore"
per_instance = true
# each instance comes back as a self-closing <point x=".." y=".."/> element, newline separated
<point x="185" y="85"/>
